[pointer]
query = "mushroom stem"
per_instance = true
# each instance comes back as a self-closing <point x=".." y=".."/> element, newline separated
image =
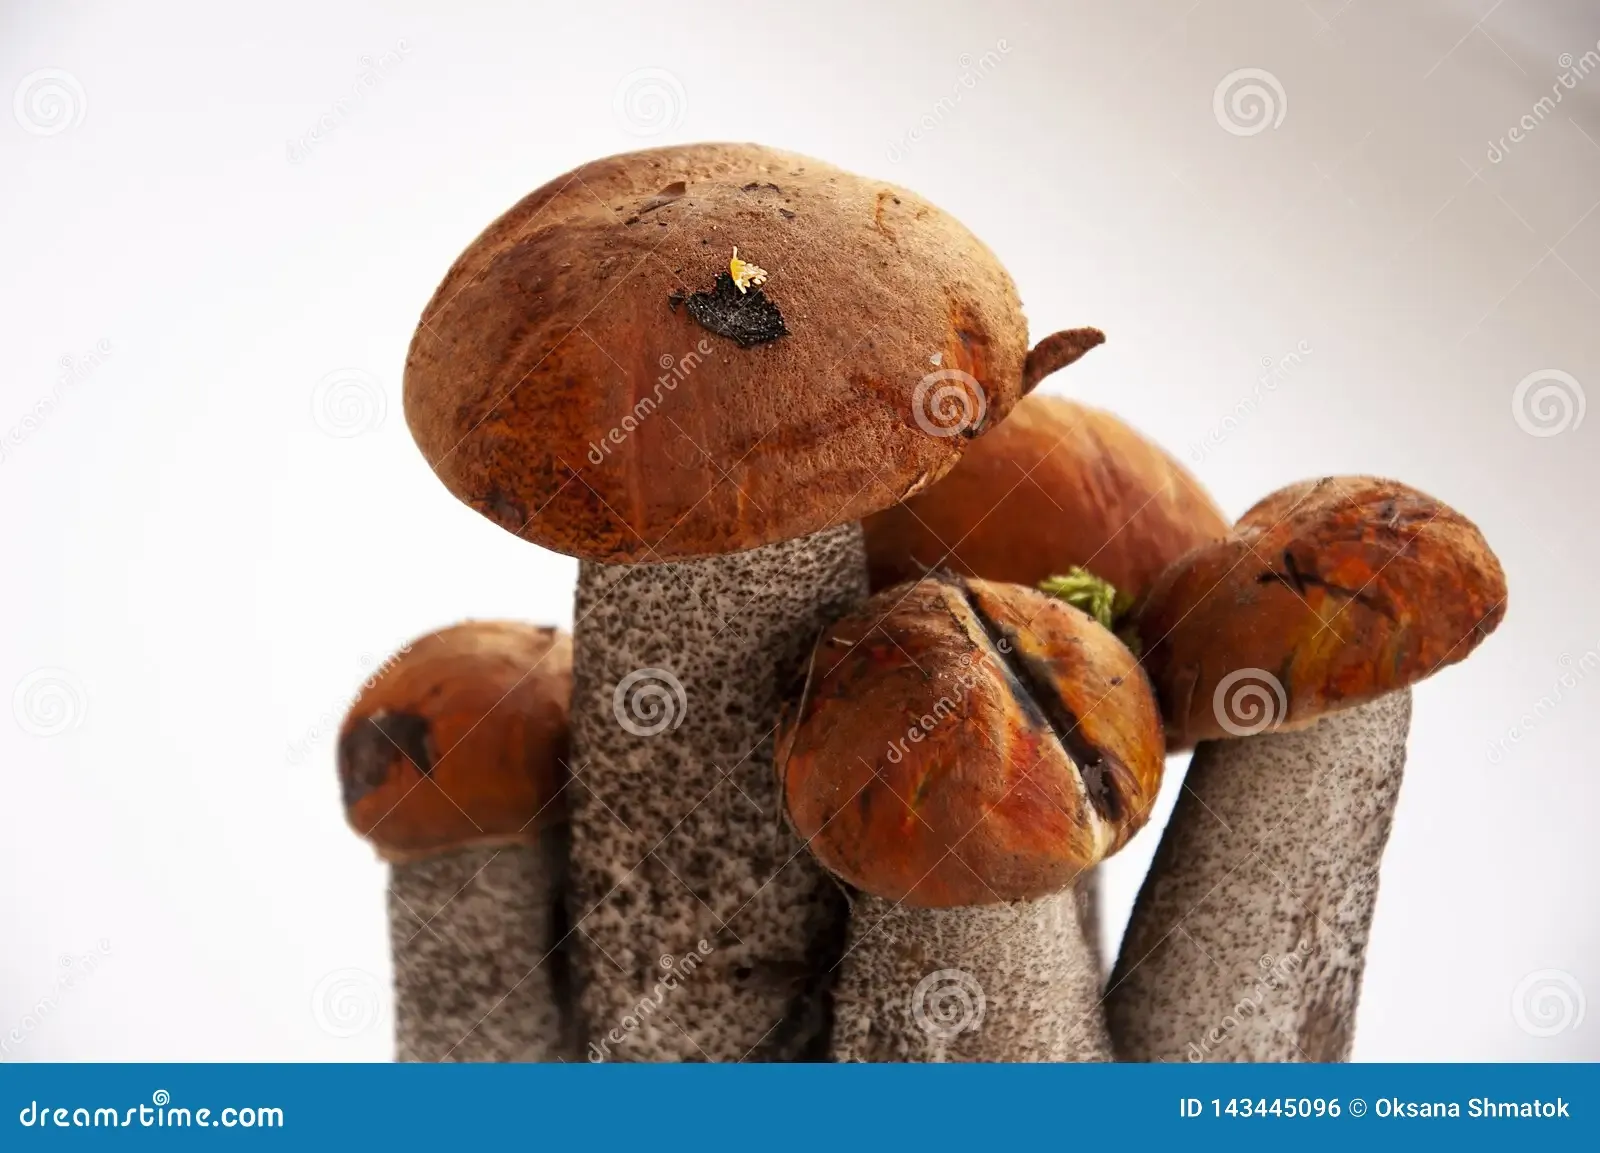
<point x="1249" y="937"/>
<point x="679" y="672"/>
<point x="476" y="973"/>
<point x="1005" y="982"/>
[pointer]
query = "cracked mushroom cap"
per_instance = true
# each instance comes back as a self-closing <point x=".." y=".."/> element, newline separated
<point x="602" y="375"/>
<point x="961" y="742"/>
<point x="1054" y="486"/>
<point x="459" y="740"/>
<point x="1331" y="594"/>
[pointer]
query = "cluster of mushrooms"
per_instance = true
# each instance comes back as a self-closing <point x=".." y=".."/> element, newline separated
<point x="875" y="657"/>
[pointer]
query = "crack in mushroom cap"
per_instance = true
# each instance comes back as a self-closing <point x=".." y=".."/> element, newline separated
<point x="460" y="740"/>
<point x="1332" y="593"/>
<point x="556" y="385"/>
<point x="961" y="742"/>
<point x="1055" y="485"/>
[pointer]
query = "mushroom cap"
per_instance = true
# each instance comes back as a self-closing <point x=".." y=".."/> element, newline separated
<point x="460" y="740"/>
<point x="561" y="384"/>
<point x="1332" y="593"/>
<point x="1056" y="485"/>
<point x="961" y="742"/>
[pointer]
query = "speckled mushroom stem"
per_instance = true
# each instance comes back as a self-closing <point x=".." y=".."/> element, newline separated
<point x="679" y="847"/>
<point x="477" y="974"/>
<point x="1249" y="937"/>
<point x="1012" y="982"/>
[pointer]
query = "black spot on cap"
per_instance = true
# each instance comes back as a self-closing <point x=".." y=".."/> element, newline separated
<point x="368" y="750"/>
<point x="747" y="318"/>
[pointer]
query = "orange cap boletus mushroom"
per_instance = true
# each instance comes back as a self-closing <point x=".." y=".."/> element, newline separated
<point x="452" y="764"/>
<point x="962" y="752"/>
<point x="1330" y="594"/>
<point x="1056" y="486"/>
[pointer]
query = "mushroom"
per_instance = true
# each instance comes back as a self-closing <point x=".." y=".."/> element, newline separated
<point x="451" y="765"/>
<point x="1056" y="487"/>
<point x="961" y="752"/>
<point x="597" y="376"/>
<point x="1288" y="652"/>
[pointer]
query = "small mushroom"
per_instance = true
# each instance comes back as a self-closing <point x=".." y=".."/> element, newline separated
<point x="1289" y="653"/>
<point x="707" y="449"/>
<point x="961" y="752"/>
<point x="451" y="765"/>
<point x="1056" y="486"/>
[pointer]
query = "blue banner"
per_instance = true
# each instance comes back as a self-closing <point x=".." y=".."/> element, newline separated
<point x="816" y="1108"/>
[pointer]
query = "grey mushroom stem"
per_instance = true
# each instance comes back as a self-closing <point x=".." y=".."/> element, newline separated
<point x="679" y="848"/>
<point x="1249" y="937"/>
<point x="477" y="974"/>
<point x="1005" y="982"/>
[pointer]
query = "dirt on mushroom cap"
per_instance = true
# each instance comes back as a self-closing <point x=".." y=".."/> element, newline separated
<point x="556" y="386"/>
<point x="963" y="742"/>
<point x="1333" y="593"/>
<point x="1056" y="485"/>
<point x="480" y="710"/>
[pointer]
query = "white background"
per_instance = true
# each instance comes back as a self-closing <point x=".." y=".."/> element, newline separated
<point x="204" y="573"/>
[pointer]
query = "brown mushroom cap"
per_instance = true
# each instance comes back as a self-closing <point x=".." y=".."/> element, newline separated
<point x="572" y="381"/>
<point x="1056" y="485"/>
<point x="961" y="742"/>
<point x="460" y="740"/>
<point x="1332" y="593"/>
